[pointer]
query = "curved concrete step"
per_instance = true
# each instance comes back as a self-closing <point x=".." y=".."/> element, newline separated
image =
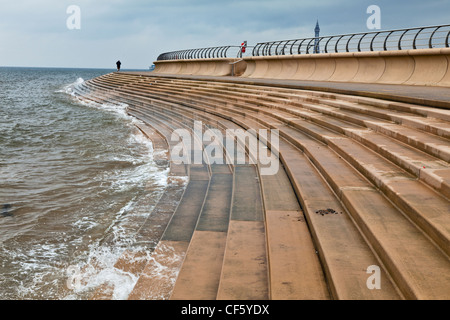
<point x="416" y="164"/>
<point x="207" y="222"/>
<point x="306" y="279"/>
<point x="161" y="286"/>
<point x="294" y="106"/>
<point x="157" y="279"/>
<point x="353" y="196"/>
<point x="430" y="170"/>
<point x="346" y="293"/>
<point x="193" y="247"/>
<point x="207" y="227"/>
<point x="297" y="277"/>
<point x="199" y="276"/>
<point x="412" y="116"/>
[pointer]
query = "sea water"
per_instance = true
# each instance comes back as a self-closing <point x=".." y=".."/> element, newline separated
<point x="77" y="180"/>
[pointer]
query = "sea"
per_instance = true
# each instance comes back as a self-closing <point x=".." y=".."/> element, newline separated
<point x="77" y="180"/>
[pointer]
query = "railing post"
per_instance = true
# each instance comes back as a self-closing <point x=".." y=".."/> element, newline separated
<point x="373" y="40"/>
<point x="326" y="45"/>
<point x="400" y="40"/>
<point x="300" y="46"/>
<point x="385" y="40"/>
<point x="430" y="44"/>
<point x="348" y="42"/>
<point x="415" y="38"/>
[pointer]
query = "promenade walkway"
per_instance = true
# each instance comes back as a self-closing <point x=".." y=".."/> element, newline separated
<point x="363" y="185"/>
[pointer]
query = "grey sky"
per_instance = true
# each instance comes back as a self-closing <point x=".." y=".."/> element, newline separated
<point x="34" y="32"/>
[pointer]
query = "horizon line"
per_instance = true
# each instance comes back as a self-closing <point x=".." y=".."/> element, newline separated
<point x="94" y="68"/>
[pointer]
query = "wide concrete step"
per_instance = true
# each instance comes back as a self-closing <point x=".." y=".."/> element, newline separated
<point x="431" y="175"/>
<point x="305" y="279"/>
<point x="433" y="171"/>
<point x="415" y="163"/>
<point x="400" y="187"/>
<point x="427" y="128"/>
<point x="208" y="222"/>
<point x="362" y="104"/>
<point x="352" y="186"/>
<point x="409" y="119"/>
<point x="308" y="95"/>
<point x="363" y="181"/>
<point x="347" y="292"/>
<point x="430" y="125"/>
<point x="424" y="141"/>
<point x="157" y="279"/>
<point x="395" y="111"/>
<point x="295" y="270"/>
<point x="342" y="249"/>
<point x="427" y="167"/>
<point x="199" y="276"/>
<point x="212" y="225"/>
<point x="300" y="284"/>
<point x="245" y="270"/>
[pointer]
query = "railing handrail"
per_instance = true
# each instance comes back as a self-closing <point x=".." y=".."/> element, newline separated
<point x="342" y="43"/>
<point x="265" y="48"/>
<point x="199" y="53"/>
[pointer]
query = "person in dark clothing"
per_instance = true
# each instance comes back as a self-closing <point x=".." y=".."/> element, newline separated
<point x="118" y="64"/>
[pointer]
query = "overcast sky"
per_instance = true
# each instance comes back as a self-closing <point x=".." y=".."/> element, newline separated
<point x="34" y="33"/>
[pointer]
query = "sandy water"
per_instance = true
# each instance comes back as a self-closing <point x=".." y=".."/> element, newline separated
<point x="77" y="181"/>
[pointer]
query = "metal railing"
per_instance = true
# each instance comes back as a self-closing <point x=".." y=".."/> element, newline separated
<point x="401" y="39"/>
<point x="202" y="53"/>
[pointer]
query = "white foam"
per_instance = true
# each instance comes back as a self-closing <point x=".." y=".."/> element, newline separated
<point x="140" y="138"/>
<point x="99" y="271"/>
<point x="143" y="171"/>
<point x="165" y="266"/>
<point x="38" y="268"/>
<point x="119" y="109"/>
<point x="72" y="88"/>
<point x="98" y="268"/>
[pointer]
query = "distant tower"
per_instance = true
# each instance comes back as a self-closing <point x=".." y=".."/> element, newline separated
<point x="316" y="42"/>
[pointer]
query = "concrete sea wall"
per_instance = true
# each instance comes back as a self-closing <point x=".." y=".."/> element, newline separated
<point x="423" y="67"/>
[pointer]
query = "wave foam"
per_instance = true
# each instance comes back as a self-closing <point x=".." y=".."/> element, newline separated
<point x="72" y="88"/>
<point x="99" y="275"/>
